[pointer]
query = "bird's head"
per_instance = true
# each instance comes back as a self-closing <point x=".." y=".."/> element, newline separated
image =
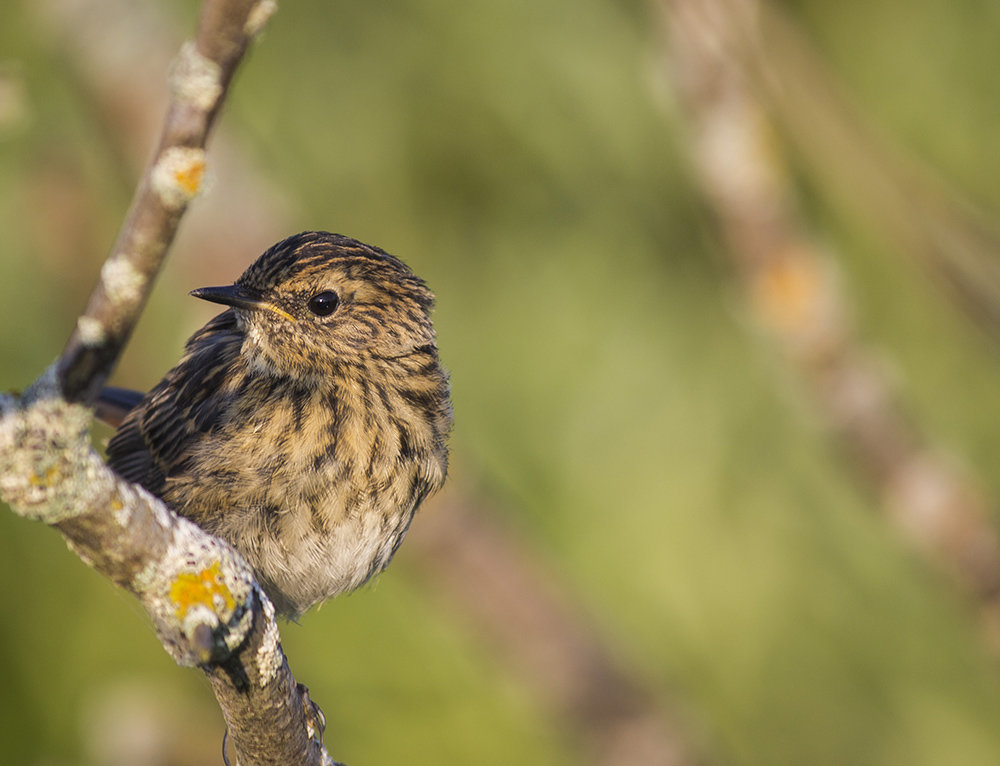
<point x="317" y="300"/>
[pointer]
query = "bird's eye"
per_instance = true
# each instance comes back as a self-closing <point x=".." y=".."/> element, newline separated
<point x="325" y="303"/>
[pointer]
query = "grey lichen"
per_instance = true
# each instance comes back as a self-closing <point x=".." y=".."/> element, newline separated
<point x="195" y="79"/>
<point x="123" y="283"/>
<point x="269" y="655"/>
<point x="91" y="331"/>
<point x="177" y="176"/>
<point x="48" y="470"/>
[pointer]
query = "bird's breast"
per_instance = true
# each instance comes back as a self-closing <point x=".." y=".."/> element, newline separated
<point x="299" y="451"/>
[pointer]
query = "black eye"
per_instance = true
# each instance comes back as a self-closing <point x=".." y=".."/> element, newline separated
<point x="325" y="303"/>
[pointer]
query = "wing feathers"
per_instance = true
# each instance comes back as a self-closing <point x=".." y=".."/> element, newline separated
<point x="155" y="435"/>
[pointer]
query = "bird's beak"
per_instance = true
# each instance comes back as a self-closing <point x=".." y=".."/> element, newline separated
<point x="239" y="297"/>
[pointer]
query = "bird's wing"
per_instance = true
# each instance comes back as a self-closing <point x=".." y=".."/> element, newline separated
<point x="189" y="401"/>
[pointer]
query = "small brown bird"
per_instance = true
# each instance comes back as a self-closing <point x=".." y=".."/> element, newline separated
<point x="304" y="424"/>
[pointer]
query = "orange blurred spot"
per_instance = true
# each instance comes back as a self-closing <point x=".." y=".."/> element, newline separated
<point x="189" y="177"/>
<point x="786" y="291"/>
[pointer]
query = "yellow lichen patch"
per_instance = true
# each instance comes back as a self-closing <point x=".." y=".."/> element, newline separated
<point x="202" y="588"/>
<point x="189" y="177"/>
<point x="178" y="175"/>
<point x="119" y="511"/>
<point x="44" y="481"/>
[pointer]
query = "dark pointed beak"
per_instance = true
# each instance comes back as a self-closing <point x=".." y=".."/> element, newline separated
<point x="230" y="295"/>
<point x="239" y="297"/>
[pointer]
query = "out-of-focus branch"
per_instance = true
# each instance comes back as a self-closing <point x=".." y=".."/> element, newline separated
<point x="520" y="609"/>
<point x="201" y="75"/>
<point x="200" y="593"/>
<point x="920" y="217"/>
<point x="718" y="58"/>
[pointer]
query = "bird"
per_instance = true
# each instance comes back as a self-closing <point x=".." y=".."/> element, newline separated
<point x="304" y="424"/>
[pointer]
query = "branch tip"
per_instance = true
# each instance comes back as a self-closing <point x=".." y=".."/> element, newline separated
<point x="199" y="584"/>
<point x="202" y="642"/>
<point x="259" y="16"/>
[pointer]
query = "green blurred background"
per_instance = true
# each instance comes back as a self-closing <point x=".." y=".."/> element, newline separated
<point x="614" y="404"/>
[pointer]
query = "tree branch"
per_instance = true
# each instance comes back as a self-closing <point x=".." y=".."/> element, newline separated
<point x="199" y="81"/>
<point x="201" y="595"/>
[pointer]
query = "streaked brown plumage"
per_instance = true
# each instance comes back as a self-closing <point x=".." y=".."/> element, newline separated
<point x="304" y="424"/>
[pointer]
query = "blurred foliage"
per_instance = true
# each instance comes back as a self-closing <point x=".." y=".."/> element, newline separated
<point x="525" y="157"/>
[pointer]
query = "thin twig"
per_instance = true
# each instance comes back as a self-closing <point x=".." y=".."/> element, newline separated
<point x="199" y="82"/>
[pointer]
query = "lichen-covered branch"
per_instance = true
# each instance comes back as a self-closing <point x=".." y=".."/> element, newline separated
<point x="199" y="80"/>
<point x="201" y="595"/>
<point x="720" y="65"/>
<point x="205" y="605"/>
